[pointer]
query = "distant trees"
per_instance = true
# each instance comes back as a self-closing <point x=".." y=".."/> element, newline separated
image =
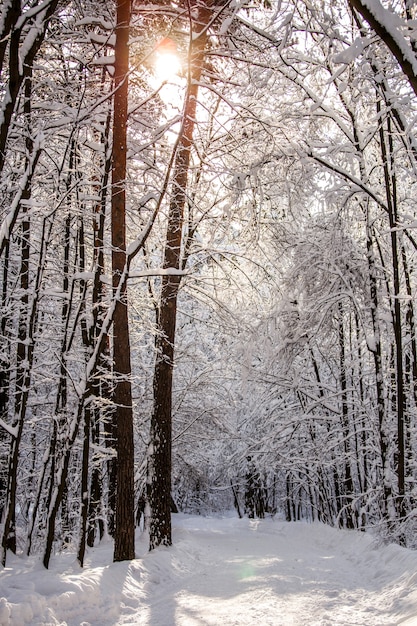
<point x="348" y="310"/>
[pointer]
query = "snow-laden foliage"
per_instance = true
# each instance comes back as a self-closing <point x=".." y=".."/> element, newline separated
<point x="295" y="365"/>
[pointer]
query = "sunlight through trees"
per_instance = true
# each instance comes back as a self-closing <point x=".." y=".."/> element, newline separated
<point x="208" y="268"/>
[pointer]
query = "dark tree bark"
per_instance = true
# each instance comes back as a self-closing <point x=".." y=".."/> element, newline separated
<point x="4" y="378"/>
<point x="391" y="195"/>
<point x="18" y="68"/>
<point x="406" y="62"/>
<point x="410" y="377"/>
<point x="125" y="516"/>
<point x="379" y="376"/>
<point x="25" y="347"/>
<point x="84" y="487"/>
<point x="10" y="15"/>
<point x="87" y="410"/>
<point x="101" y="386"/>
<point x="159" y="456"/>
<point x="347" y="487"/>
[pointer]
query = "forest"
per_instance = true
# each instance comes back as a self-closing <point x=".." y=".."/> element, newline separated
<point x="207" y="267"/>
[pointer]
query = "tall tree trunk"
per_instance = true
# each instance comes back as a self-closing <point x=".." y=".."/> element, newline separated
<point x="85" y="462"/>
<point x="24" y="351"/>
<point x="101" y="386"/>
<point x="411" y="372"/>
<point x="159" y="455"/>
<point x="59" y="421"/>
<point x="84" y="487"/>
<point x="361" y="447"/>
<point x="347" y="488"/>
<point x="124" y="547"/>
<point x="391" y="195"/>
<point x="4" y="378"/>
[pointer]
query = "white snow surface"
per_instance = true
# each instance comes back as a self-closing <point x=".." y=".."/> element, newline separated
<point x="221" y="572"/>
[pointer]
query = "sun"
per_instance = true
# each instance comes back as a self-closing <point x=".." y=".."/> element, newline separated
<point x="167" y="62"/>
<point x="167" y="65"/>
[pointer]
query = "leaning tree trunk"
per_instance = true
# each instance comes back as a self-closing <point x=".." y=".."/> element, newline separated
<point x="159" y="455"/>
<point x="5" y="355"/>
<point x="25" y="345"/>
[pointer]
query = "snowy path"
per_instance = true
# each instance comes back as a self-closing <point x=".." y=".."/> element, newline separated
<point x="223" y="573"/>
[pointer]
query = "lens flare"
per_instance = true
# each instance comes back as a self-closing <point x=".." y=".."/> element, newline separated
<point x="167" y="65"/>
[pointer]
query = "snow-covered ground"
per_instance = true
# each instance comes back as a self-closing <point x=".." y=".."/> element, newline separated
<point x="222" y="572"/>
